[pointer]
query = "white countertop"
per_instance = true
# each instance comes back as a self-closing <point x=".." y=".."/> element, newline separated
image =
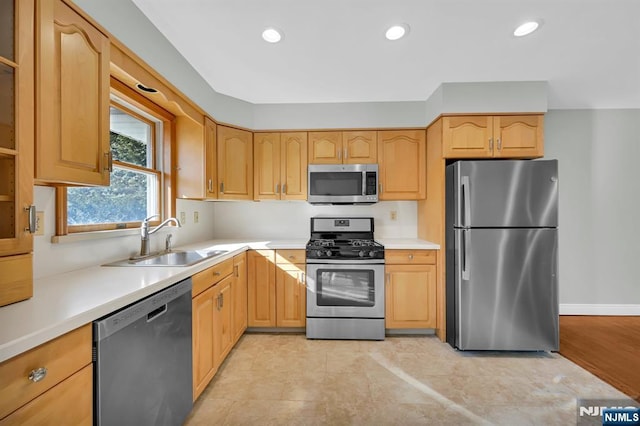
<point x="63" y="302"/>
<point x="407" y="243"/>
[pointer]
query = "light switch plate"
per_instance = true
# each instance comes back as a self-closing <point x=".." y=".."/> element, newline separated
<point x="195" y="217"/>
<point x="183" y="218"/>
<point x="39" y="223"/>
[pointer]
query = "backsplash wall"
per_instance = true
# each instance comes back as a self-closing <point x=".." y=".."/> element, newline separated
<point x="290" y="219"/>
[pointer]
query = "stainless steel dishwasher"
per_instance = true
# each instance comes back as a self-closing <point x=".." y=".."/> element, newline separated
<point x="143" y="361"/>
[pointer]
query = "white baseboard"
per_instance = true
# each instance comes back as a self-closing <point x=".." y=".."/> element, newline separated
<point x="598" y="309"/>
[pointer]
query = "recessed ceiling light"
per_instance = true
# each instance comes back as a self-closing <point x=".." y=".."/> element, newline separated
<point x="526" y="28"/>
<point x="271" y="35"/>
<point x="396" y="32"/>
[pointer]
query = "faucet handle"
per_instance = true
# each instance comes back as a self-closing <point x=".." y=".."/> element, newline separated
<point x="167" y="242"/>
<point x="151" y="217"/>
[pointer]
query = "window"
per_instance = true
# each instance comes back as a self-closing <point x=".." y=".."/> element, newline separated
<point x="137" y="178"/>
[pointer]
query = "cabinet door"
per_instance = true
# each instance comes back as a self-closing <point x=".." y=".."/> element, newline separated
<point x="191" y="158"/>
<point x="223" y="320"/>
<point x="68" y="403"/>
<point x="293" y="157"/>
<point x="72" y="143"/>
<point x="291" y="295"/>
<point x="402" y="157"/>
<point x="266" y="169"/>
<point x="235" y="163"/>
<point x="467" y="137"/>
<point x="410" y="296"/>
<point x="261" y="297"/>
<point x="210" y="158"/>
<point x="204" y="366"/>
<point x="325" y="147"/>
<point x="16" y="131"/>
<point x="239" y="295"/>
<point x="360" y="147"/>
<point x="518" y="136"/>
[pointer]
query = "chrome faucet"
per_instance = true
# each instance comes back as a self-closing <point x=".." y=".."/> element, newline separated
<point x="144" y="232"/>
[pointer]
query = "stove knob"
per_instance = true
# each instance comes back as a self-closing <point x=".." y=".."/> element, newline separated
<point x="328" y="253"/>
<point x="319" y="253"/>
<point x="361" y="253"/>
<point x="372" y="253"/>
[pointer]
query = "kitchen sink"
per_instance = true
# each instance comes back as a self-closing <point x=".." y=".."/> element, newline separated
<point x="171" y="258"/>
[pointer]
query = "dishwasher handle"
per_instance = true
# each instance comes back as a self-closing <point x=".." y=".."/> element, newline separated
<point x="156" y="313"/>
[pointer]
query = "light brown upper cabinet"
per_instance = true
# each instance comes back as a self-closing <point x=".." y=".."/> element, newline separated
<point x="72" y="98"/>
<point x="402" y="161"/>
<point x="211" y="155"/>
<point x="348" y="147"/>
<point x="16" y="150"/>
<point x="504" y="136"/>
<point x="235" y="163"/>
<point x="196" y="158"/>
<point x="280" y="166"/>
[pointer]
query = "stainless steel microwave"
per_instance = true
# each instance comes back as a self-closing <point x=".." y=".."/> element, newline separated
<point x="342" y="184"/>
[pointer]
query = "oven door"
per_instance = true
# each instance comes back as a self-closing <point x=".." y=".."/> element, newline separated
<point x="345" y="289"/>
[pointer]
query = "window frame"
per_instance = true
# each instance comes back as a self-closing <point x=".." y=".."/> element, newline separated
<point x="163" y="152"/>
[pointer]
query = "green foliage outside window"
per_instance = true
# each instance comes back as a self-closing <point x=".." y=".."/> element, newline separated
<point x="125" y="200"/>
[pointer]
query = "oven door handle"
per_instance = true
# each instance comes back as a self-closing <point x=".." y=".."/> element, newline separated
<point x="345" y="262"/>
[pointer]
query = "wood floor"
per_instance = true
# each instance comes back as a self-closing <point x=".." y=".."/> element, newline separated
<point x="607" y="346"/>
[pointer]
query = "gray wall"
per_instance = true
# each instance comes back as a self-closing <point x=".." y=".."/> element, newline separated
<point x="598" y="153"/>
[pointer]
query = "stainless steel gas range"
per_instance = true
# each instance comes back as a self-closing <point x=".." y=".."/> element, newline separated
<point x="345" y="280"/>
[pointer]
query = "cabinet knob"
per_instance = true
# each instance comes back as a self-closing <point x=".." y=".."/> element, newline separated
<point x="216" y="273"/>
<point x="38" y="374"/>
<point x="490" y="144"/>
<point x="499" y="144"/>
<point x="411" y="256"/>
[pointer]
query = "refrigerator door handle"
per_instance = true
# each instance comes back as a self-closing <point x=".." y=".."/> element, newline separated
<point x="465" y="255"/>
<point x="466" y="201"/>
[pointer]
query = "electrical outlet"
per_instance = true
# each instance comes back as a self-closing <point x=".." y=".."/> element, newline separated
<point x="195" y="217"/>
<point x="183" y="218"/>
<point x="394" y="215"/>
<point x="39" y="223"/>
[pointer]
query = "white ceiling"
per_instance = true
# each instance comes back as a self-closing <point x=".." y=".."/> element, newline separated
<point x="335" y="50"/>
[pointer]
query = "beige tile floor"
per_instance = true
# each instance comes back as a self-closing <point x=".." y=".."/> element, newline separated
<point x="280" y="379"/>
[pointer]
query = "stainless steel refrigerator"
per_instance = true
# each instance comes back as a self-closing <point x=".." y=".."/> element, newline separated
<point x="502" y="255"/>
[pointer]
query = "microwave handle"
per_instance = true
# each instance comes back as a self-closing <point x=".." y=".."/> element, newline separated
<point x="364" y="183"/>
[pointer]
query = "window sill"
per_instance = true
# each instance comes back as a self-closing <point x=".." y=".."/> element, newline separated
<point x="94" y="235"/>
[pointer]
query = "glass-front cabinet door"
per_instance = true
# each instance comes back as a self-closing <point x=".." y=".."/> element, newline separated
<point x="16" y="126"/>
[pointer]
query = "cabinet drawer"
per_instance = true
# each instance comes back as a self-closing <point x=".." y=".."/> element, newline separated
<point x="68" y="403"/>
<point x="205" y="279"/>
<point x="290" y="256"/>
<point x="61" y="357"/>
<point x="410" y="257"/>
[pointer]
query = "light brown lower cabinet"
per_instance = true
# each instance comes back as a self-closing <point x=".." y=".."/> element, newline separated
<point x="222" y="320"/>
<point x="204" y="368"/>
<point x="277" y="289"/>
<point x="291" y="295"/>
<point x="68" y="403"/>
<point x="50" y="384"/>
<point x="410" y="289"/>
<point x="239" y="286"/>
<point x="218" y="317"/>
